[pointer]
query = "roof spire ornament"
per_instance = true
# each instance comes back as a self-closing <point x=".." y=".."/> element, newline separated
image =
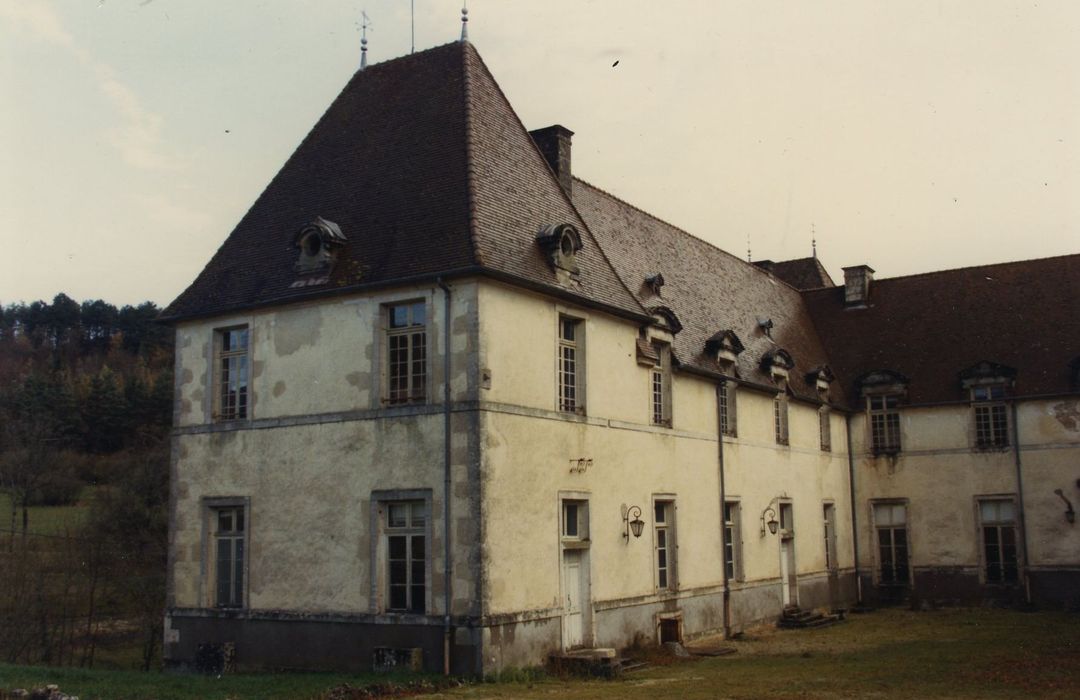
<point x="364" y="24"/>
<point x="813" y="240"/>
<point x="748" y="258"/>
<point x="464" y="22"/>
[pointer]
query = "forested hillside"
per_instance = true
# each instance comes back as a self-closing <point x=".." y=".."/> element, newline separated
<point x="85" y="411"/>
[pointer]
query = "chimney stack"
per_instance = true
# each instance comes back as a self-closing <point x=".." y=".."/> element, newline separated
<point x="857" y="281"/>
<point x="554" y="144"/>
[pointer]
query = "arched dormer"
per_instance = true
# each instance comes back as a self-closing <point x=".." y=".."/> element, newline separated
<point x="882" y="381"/>
<point x="776" y="363"/>
<point x="561" y="244"/>
<point x="986" y="373"/>
<point x="820" y="378"/>
<point x="318" y="243"/>
<point x="666" y="318"/>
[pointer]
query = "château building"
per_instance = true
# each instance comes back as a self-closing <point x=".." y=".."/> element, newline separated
<point x="436" y="394"/>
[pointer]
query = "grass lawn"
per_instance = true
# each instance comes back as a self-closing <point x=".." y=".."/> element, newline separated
<point x="48" y="520"/>
<point x="885" y="654"/>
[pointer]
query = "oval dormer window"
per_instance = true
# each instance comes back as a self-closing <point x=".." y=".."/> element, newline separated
<point x="318" y="243"/>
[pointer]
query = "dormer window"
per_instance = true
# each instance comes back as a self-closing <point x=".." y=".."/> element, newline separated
<point x="777" y="363"/>
<point x="318" y="243"/>
<point x="655" y="283"/>
<point x="561" y="243"/>
<point x="987" y="384"/>
<point x="821" y="378"/>
<point x="724" y="347"/>
<point x="882" y="391"/>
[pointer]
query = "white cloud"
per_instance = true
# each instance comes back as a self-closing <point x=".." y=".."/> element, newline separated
<point x="137" y="134"/>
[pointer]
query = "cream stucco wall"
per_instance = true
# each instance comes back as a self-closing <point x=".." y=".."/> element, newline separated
<point x="317" y="444"/>
<point x="941" y="476"/>
<point x="528" y="450"/>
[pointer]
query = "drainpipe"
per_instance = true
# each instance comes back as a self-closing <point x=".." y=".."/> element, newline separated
<point x="447" y="561"/>
<point x="1020" y="501"/>
<point x="723" y="520"/>
<point x="854" y="523"/>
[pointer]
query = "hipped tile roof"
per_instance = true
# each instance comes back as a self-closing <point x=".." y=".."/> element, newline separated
<point x="426" y="168"/>
<point x="801" y="273"/>
<point x="708" y="289"/>
<point x="931" y="327"/>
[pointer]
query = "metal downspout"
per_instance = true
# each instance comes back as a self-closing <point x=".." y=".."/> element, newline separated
<point x="447" y="561"/>
<point x="854" y="519"/>
<point x="1020" y="501"/>
<point x="723" y="518"/>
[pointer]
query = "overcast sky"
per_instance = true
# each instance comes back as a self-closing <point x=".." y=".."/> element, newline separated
<point x="911" y="136"/>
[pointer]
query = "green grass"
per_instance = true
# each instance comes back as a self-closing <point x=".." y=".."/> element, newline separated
<point x="134" y="685"/>
<point x="48" y="520"/>
<point x="887" y="654"/>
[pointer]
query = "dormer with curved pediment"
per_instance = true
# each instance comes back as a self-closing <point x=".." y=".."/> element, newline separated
<point x="665" y="318"/>
<point x="318" y="243"/>
<point x="821" y="377"/>
<point x="777" y="363"/>
<point x="561" y="243"/>
<point x="882" y="381"/>
<point x="986" y="373"/>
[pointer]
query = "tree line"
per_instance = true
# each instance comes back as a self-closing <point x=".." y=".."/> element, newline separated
<point x="85" y="413"/>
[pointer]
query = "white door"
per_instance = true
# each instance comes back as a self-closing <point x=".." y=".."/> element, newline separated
<point x="785" y="585"/>
<point x="573" y="580"/>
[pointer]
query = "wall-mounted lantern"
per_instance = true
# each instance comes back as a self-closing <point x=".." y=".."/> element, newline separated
<point x="1070" y="514"/>
<point x="634" y="525"/>
<point x="773" y="524"/>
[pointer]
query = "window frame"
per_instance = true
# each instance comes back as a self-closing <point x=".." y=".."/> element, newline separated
<point x="728" y="409"/>
<point x="825" y="428"/>
<point x="417" y="388"/>
<point x="660" y="380"/>
<point x="580" y="507"/>
<point x="993" y="411"/>
<point x="380" y="562"/>
<point x="828" y="514"/>
<point x="732" y="540"/>
<point x="222" y="372"/>
<point x="212" y="507"/>
<point x="887" y="415"/>
<point x="565" y="402"/>
<point x="999" y="526"/>
<point x="665" y="568"/>
<point x="879" y="568"/>
<point x="781" y="425"/>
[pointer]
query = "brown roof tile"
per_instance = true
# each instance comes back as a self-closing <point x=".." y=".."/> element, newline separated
<point x="708" y="289"/>
<point x="427" y="170"/>
<point x="932" y="326"/>
<point x="801" y="273"/>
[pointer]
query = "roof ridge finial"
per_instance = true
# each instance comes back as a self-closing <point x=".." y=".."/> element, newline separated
<point x="464" y="21"/>
<point x="748" y="258"/>
<point x="364" y="24"/>
<point x="813" y="240"/>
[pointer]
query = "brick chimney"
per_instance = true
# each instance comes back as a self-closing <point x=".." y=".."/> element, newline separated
<point x="857" y="281"/>
<point x="554" y="143"/>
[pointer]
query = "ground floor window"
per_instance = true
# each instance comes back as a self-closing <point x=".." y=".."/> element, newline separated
<point x="829" y="518"/>
<point x="890" y="525"/>
<point x="998" y="522"/>
<point x="732" y="541"/>
<point x="229" y="555"/>
<point x="406" y="552"/>
<point x="664" y="543"/>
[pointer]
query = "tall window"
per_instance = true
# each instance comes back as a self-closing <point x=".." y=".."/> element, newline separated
<point x="890" y="522"/>
<point x="232" y="396"/>
<point x="780" y="418"/>
<point x="991" y="416"/>
<point x="664" y="524"/>
<point x="829" y="518"/>
<point x="884" y="423"/>
<point x="406" y="351"/>
<point x="732" y="541"/>
<point x="998" y="520"/>
<point x="825" y="428"/>
<point x="727" y="409"/>
<point x="229" y="559"/>
<point x="661" y="385"/>
<point x="571" y="379"/>
<point x="406" y="556"/>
